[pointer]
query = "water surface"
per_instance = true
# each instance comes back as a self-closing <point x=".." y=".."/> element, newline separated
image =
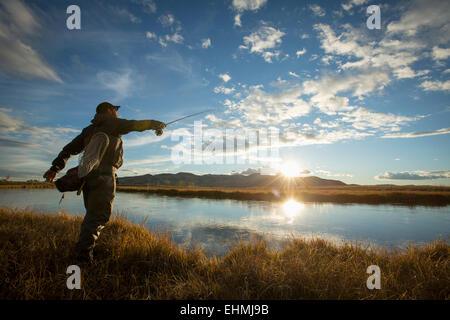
<point x="216" y="225"/>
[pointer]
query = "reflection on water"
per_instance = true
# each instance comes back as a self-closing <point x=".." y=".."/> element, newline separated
<point x="217" y="225"/>
<point x="291" y="209"/>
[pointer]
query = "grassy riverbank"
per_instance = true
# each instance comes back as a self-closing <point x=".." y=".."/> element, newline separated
<point x="397" y="195"/>
<point x="133" y="263"/>
<point x="4" y="184"/>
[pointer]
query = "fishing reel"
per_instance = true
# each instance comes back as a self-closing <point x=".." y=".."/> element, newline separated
<point x="158" y="132"/>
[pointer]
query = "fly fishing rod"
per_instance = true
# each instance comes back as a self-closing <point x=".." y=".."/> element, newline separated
<point x="159" y="131"/>
<point x="191" y="115"/>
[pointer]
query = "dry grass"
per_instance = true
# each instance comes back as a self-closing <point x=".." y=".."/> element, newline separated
<point x="133" y="263"/>
<point x="397" y="195"/>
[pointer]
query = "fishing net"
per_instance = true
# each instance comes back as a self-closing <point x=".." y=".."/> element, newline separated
<point x="93" y="154"/>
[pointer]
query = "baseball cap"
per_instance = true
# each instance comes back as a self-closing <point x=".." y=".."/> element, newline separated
<point x="102" y="107"/>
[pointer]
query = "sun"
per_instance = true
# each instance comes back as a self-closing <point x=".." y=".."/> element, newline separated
<point x="290" y="169"/>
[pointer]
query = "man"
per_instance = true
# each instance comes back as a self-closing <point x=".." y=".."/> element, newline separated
<point x="100" y="184"/>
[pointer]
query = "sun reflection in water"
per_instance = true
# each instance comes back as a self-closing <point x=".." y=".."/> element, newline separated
<point x="291" y="209"/>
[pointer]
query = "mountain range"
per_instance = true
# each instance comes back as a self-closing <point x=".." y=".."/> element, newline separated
<point x="185" y="179"/>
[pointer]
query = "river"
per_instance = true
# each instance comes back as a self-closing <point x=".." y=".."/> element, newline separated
<point x="216" y="225"/>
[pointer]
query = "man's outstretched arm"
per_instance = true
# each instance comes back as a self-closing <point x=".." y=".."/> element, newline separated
<point x="126" y="126"/>
<point x="72" y="148"/>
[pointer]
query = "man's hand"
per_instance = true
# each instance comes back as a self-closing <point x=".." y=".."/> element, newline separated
<point x="158" y="126"/>
<point x="50" y="175"/>
<point x="155" y="125"/>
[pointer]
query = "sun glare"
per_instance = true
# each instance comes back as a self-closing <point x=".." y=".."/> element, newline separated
<point x="292" y="208"/>
<point x="290" y="169"/>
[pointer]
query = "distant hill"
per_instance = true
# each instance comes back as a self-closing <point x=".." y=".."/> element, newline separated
<point x="219" y="181"/>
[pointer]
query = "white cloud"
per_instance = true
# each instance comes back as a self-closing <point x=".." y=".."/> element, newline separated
<point x="125" y="13"/>
<point x="175" y="38"/>
<point x="353" y="3"/>
<point x="324" y="91"/>
<point x="145" y="139"/>
<point x="331" y="124"/>
<point x="245" y="5"/>
<point x="393" y="55"/>
<point x="436" y="85"/>
<point x="225" y="77"/>
<point x="150" y="35"/>
<point x="261" y="41"/>
<point x="223" y="90"/>
<point x="363" y="119"/>
<point x="440" y="53"/>
<point x="414" y="175"/>
<point x="27" y="150"/>
<point x="237" y="20"/>
<point x="250" y="5"/>
<point x="294" y="74"/>
<point x="173" y="61"/>
<point x="422" y="14"/>
<point x="166" y="20"/>
<point x="149" y="5"/>
<point x="260" y="107"/>
<point x="332" y="174"/>
<point x="417" y="134"/>
<point x="221" y="123"/>
<point x="326" y="59"/>
<point x="17" y="23"/>
<point x="317" y="10"/>
<point x="119" y="82"/>
<point x="300" y="52"/>
<point x="291" y="138"/>
<point x="206" y="43"/>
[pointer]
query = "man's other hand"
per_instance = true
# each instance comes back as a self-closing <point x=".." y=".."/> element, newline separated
<point x="50" y="175"/>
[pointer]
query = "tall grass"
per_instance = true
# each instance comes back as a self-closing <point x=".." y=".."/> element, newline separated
<point x="396" y="195"/>
<point x="133" y="263"/>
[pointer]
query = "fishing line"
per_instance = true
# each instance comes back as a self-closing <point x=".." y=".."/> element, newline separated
<point x="191" y="115"/>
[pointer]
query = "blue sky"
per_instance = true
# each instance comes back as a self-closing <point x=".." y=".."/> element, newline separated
<point x="359" y="105"/>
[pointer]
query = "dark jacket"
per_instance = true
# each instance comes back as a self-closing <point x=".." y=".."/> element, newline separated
<point x="115" y="128"/>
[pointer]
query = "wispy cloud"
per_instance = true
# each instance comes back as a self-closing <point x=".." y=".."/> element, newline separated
<point x="206" y="43"/>
<point x="27" y="150"/>
<point x="317" y="10"/>
<point x="252" y="5"/>
<point x="262" y="41"/>
<point x="436" y="85"/>
<point x="166" y="20"/>
<point x="145" y="139"/>
<point x="150" y="35"/>
<point x="300" y="52"/>
<point x="17" y="23"/>
<point x="421" y="14"/>
<point x="224" y="90"/>
<point x="417" y="134"/>
<point x="245" y="5"/>
<point x="414" y="175"/>
<point x="172" y="61"/>
<point x="440" y="53"/>
<point x="127" y="14"/>
<point x="352" y="3"/>
<point x="148" y="5"/>
<point x="225" y="77"/>
<point x="119" y="82"/>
